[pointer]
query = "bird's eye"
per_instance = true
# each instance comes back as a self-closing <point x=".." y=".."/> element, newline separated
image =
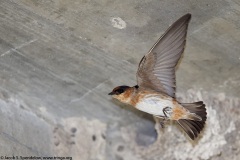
<point x="119" y="91"/>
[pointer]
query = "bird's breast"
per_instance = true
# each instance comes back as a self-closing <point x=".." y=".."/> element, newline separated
<point x="154" y="105"/>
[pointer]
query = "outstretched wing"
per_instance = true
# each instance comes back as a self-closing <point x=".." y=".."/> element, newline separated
<point x="157" y="68"/>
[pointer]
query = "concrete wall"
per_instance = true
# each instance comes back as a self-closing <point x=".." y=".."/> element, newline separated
<point x="59" y="59"/>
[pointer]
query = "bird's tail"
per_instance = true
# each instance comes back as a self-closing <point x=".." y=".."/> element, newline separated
<point x="196" y="119"/>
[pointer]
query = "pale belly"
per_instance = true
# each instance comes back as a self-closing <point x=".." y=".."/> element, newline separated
<point x="154" y="105"/>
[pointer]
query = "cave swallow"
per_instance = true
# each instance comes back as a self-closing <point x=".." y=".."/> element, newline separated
<point x="155" y="89"/>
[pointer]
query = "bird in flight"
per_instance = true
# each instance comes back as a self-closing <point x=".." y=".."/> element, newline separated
<point x="155" y="89"/>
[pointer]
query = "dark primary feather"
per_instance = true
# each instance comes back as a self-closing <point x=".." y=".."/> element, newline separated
<point x="157" y="68"/>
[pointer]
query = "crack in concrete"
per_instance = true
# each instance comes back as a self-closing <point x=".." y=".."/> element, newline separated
<point x="18" y="47"/>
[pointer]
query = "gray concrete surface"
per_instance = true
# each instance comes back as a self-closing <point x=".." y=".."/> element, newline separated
<point x="59" y="59"/>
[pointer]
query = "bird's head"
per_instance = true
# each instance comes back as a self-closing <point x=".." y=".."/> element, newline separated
<point x="121" y="93"/>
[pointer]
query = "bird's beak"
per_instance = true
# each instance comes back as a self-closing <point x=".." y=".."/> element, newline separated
<point x="111" y="93"/>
